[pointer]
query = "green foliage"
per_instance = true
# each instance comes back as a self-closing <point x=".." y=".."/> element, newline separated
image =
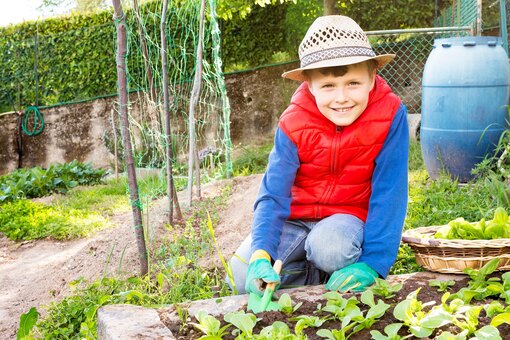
<point x="389" y="14"/>
<point x="210" y="326"/>
<point x="442" y="285"/>
<point x="27" y="220"/>
<point x="251" y="160"/>
<point x="498" y="227"/>
<point x="384" y="289"/>
<point x="39" y="182"/>
<point x="27" y="321"/>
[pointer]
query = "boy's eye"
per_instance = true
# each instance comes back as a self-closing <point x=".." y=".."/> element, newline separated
<point x="354" y="83"/>
<point x="327" y="85"/>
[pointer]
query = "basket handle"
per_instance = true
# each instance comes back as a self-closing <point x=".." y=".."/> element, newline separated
<point x="425" y="241"/>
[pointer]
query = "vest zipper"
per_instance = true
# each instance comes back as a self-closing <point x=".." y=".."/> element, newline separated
<point x="336" y="142"/>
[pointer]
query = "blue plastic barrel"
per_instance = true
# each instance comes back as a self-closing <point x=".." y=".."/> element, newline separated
<point x="465" y="91"/>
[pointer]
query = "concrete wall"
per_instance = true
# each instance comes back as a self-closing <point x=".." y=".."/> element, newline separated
<point x="78" y="131"/>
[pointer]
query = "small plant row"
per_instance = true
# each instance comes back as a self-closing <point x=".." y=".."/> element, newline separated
<point x="39" y="182"/>
<point x="498" y="227"/>
<point x="455" y="313"/>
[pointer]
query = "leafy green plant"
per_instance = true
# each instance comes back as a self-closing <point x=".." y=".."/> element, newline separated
<point x="494" y="308"/>
<point x="278" y="331"/>
<point x="498" y="227"/>
<point x="340" y="307"/>
<point x="375" y="312"/>
<point x="210" y="326"/>
<point x="391" y="333"/>
<point x="411" y="312"/>
<point x="305" y="321"/>
<point x="244" y="322"/>
<point x="442" y="285"/>
<point x="384" y="289"/>
<point x="287" y="305"/>
<point x="39" y="182"/>
<point x="27" y="322"/>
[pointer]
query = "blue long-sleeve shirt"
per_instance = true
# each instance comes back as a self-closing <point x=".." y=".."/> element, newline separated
<point x="387" y="205"/>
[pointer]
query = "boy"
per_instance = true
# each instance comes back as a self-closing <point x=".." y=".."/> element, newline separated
<point x="333" y="199"/>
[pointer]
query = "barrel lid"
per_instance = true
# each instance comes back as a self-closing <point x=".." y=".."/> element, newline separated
<point x="468" y="41"/>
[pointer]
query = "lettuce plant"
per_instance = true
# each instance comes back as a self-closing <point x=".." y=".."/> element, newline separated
<point x="384" y="289"/>
<point x="210" y="326"/>
<point x="244" y="322"/>
<point x="287" y="305"/>
<point x="391" y="333"/>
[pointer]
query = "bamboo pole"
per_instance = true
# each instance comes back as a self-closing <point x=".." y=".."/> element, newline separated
<point x="115" y="148"/>
<point x="120" y="22"/>
<point x="195" y="95"/>
<point x="171" y="191"/>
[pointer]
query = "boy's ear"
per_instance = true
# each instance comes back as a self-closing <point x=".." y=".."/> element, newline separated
<point x="374" y="73"/>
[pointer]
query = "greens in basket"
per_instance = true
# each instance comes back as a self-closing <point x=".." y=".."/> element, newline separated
<point x="498" y="227"/>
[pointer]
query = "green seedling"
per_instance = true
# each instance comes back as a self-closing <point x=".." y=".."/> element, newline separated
<point x="278" y="331"/>
<point x="287" y="305"/>
<point x="384" y="289"/>
<point x="342" y="308"/>
<point x="410" y="311"/>
<point x="500" y="319"/>
<point x="337" y="334"/>
<point x="493" y="309"/>
<point x="455" y="306"/>
<point x="391" y="333"/>
<point x="305" y="321"/>
<point x="442" y="285"/>
<point x="469" y="320"/>
<point x="244" y="322"/>
<point x="210" y="326"/>
<point x="375" y="312"/>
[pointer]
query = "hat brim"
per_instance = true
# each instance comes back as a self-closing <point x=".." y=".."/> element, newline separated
<point x="297" y="74"/>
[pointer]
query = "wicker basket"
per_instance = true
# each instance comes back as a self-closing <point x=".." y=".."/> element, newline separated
<point x="453" y="256"/>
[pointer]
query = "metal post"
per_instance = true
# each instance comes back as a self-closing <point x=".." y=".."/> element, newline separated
<point x="502" y="24"/>
<point x="479" y="17"/>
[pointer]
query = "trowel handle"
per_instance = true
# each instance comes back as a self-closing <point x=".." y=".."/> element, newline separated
<point x="277" y="266"/>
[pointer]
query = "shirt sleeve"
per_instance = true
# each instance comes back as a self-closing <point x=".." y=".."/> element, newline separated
<point x="272" y="206"/>
<point x="388" y="202"/>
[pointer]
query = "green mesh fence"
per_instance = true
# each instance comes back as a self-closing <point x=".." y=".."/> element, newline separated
<point x="89" y="72"/>
<point x="412" y="48"/>
<point x="146" y="116"/>
<point x="461" y="13"/>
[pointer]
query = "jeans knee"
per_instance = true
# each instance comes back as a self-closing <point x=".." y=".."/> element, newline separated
<point x="336" y="243"/>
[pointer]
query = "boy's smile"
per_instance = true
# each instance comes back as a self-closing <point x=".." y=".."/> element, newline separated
<point x="342" y="99"/>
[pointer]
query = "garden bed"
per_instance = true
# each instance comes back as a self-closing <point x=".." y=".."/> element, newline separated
<point x="179" y="318"/>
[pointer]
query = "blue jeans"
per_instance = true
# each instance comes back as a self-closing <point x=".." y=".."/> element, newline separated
<point x="310" y="251"/>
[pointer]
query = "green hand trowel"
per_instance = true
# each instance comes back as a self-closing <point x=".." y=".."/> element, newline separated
<point x="259" y="304"/>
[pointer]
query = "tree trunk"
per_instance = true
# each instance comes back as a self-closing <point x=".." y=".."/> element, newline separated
<point x="171" y="192"/>
<point x="128" y="151"/>
<point x="195" y="96"/>
<point x="330" y="7"/>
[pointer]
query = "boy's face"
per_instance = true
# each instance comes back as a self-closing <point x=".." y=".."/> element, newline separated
<point x="342" y="99"/>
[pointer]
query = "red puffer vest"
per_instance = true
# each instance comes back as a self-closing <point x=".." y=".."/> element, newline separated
<point x="336" y="162"/>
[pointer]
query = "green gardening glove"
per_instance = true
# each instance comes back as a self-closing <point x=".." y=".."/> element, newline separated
<point x="355" y="277"/>
<point x="259" y="272"/>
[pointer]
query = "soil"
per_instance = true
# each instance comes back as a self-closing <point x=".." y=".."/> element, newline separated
<point x="35" y="273"/>
<point x="426" y="294"/>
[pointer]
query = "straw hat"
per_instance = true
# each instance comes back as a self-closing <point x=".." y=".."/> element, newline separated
<point x="334" y="40"/>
